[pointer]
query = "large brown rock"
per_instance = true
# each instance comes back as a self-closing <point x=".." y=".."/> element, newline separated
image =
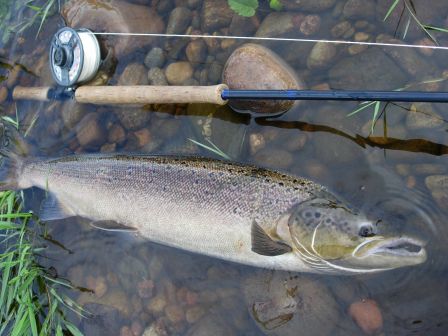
<point x="255" y="67"/>
<point x="114" y="16"/>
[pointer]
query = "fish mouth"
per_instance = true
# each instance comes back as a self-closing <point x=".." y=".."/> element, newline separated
<point x="397" y="247"/>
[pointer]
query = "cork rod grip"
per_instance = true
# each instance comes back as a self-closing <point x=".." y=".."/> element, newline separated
<point x="150" y="94"/>
<point x="30" y="93"/>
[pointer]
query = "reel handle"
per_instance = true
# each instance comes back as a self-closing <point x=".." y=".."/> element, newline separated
<point x="112" y="95"/>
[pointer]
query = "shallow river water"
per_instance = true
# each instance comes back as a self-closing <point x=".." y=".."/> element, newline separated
<point x="397" y="173"/>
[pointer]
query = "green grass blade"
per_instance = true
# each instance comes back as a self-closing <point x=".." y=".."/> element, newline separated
<point x="361" y="108"/>
<point x="75" y="331"/>
<point x="375" y="115"/>
<point x="391" y="9"/>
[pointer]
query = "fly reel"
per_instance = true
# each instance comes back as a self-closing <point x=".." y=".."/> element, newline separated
<point x="74" y="56"/>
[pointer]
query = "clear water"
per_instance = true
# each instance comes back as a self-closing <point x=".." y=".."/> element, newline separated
<point x="383" y="173"/>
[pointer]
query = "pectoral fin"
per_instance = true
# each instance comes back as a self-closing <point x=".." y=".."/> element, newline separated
<point x="265" y="245"/>
<point x="52" y="209"/>
<point x="110" y="225"/>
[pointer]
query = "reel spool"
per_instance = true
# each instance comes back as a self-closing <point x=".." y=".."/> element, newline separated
<point x="74" y="56"/>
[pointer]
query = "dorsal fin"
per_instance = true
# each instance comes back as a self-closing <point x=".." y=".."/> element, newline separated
<point x="265" y="245"/>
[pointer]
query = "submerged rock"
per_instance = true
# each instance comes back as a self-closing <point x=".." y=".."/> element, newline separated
<point x="422" y="115"/>
<point x="177" y="73"/>
<point x="371" y="69"/>
<point x="133" y="74"/>
<point x="276" y="24"/>
<point x="90" y="132"/>
<point x="114" y="16"/>
<point x="253" y="66"/>
<point x="284" y="304"/>
<point x="321" y="56"/>
<point x="308" y="5"/>
<point x="408" y="59"/>
<point x="215" y="14"/>
<point x="397" y="22"/>
<point x="359" y="9"/>
<point x="155" y="58"/>
<point x="367" y="316"/>
<point x="179" y="20"/>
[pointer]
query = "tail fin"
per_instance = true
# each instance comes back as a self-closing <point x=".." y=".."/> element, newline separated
<point x="13" y="152"/>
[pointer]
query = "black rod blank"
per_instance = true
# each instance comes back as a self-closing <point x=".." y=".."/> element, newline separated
<point x="343" y="95"/>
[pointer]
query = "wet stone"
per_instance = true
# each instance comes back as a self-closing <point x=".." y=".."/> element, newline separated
<point x="72" y="113"/>
<point x="256" y="142"/>
<point x="355" y="9"/>
<point x="308" y="5"/>
<point x="341" y="29"/>
<point x="211" y="325"/>
<point x="321" y="56"/>
<point x="116" y="299"/>
<point x="379" y="72"/>
<point x="155" y="329"/>
<point x="132" y="119"/>
<point x="3" y="94"/>
<point x="130" y="270"/>
<point x="196" y="51"/>
<point x="117" y="134"/>
<point x="409" y="60"/>
<point x="156" y="76"/>
<point x="252" y="66"/>
<point x="90" y="132"/>
<point x="276" y="24"/>
<point x="310" y="25"/>
<point x="367" y="316"/>
<point x="400" y="20"/>
<point x="422" y="115"/>
<point x="214" y="72"/>
<point x="215" y="14"/>
<point x="435" y="182"/>
<point x="141" y="137"/>
<point x="114" y="15"/>
<point x="194" y="313"/>
<point x="428" y="169"/>
<point x="145" y="289"/>
<point x="281" y="304"/>
<point x="157" y="304"/>
<point x="177" y="73"/>
<point x="155" y="58"/>
<point x="273" y="158"/>
<point x="105" y="320"/>
<point x="242" y="26"/>
<point x="179" y="20"/>
<point x="133" y="74"/>
<point x="174" y="313"/>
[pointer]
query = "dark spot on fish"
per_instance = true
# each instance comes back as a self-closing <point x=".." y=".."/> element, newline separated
<point x="308" y="214"/>
<point x="281" y="184"/>
<point x="328" y="220"/>
<point x="317" y="215"/>
<point x="366" y="231"/>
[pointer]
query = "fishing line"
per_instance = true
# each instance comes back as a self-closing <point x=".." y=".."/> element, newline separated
<point x="283" y="39"/>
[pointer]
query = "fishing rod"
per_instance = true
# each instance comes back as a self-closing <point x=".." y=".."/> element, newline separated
<point x="75" y="59"/>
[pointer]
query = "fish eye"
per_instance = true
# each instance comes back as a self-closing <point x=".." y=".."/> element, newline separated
<point x="366" y="231"/>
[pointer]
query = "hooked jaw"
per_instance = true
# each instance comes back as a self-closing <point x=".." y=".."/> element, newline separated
<point x="402" y="251"/>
